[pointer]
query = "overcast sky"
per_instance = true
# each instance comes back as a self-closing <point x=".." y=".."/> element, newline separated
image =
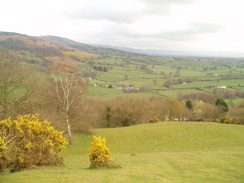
<point x="190" y="25"/>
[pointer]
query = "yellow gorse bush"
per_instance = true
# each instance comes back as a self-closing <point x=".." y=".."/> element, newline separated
<point x="31" y="142"/>
<point x="2" y="148"/>
<point x="99" y="153"/>
<point x="2" y="154"/>
<point x="154" y="119"/>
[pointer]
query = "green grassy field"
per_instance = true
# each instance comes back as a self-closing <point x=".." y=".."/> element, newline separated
<point x="161" y="152"/>
<point x="226" y="82"/>
<point x="107" y="93"/>
<point x="204" y="72"/>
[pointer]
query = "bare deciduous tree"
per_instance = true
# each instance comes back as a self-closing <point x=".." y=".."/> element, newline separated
<point x="16" y="83"/>
<point x="68" y="89"/>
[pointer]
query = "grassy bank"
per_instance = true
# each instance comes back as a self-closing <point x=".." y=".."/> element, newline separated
<point x="162" y="152"/>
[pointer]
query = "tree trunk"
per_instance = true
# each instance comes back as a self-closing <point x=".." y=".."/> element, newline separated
<point x="69" y="130"/>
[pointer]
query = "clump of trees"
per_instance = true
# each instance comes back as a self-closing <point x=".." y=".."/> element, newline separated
<point x="213" y="107"/>
<point x="237" y="112"/>
<point x="125" y="112"/>
<point x="135" y="110"/>
<point x="144" y="68"/>
<point x="27" y="142"/>
<point x="211" y="98"/>
<point x="222" y="105"/>
<point x="218" y="111"/>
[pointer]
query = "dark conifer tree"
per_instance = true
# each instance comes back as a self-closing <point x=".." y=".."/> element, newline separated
<point x="221" y="103"/>
<point x="189" y="104"/>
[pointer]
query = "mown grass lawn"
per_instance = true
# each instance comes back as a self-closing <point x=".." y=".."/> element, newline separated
<point x="161" y="152"/>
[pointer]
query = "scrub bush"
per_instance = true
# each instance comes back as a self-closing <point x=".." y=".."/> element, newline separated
<point x="100" y="154"/>
<point x="154" y="119"/>
<point x="2" y="155"/>
<point x="31" y="143"/>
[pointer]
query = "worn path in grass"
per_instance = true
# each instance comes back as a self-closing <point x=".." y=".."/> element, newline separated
<point x="161" y="152"/>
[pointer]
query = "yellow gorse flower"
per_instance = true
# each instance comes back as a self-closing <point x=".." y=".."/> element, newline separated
<point x="99" y="153"/>
<point x="32" y="142"/>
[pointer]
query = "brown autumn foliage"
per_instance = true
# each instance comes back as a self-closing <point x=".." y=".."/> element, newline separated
<point x="175" y="108"/>
<point x="158" y="108"/>
<point x="126" y="112"/>
<point x="237" y="112"/>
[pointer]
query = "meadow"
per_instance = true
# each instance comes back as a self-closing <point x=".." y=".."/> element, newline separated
<point x="159" y="152"/>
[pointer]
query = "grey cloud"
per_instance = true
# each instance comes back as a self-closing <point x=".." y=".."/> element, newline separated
<point x="169" y="1"/>
<point x="205" y="27"/>
<point x="104" y="11"/>
<point x="193" y="32"/>
<point x="107" y="10"/>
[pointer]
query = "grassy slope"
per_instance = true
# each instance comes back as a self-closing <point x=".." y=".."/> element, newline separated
<point x="162" y="152"/>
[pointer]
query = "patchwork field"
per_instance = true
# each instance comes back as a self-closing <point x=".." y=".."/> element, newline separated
<point x="151" y="73"/>
<point x="160" y="152"/>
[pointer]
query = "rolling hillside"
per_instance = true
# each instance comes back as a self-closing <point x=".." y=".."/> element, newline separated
<point x="161" y="152"/>
<point x="38" y="50"/>
<point x="15" y="41"/>
<point x="95" y="49"/>
<point x="147" y="75"/>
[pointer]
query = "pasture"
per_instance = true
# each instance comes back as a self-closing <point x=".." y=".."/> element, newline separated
<point x="150" y="73"/>
<point x="160" y="152"/>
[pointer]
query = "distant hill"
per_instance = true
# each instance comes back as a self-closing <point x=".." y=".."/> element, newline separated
<point x="157" y="52"/>
<point x="70" y="43"/>
<point x="37" y="50"/>
<point x="45" y="46"/>
<point x="52" y="45"/>
<point x="92" y="48"/>
<point x="37" y="45"/>
<point x="97" y="48"/>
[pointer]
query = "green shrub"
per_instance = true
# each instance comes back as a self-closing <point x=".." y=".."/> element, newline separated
<point x="31" y="143"/>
